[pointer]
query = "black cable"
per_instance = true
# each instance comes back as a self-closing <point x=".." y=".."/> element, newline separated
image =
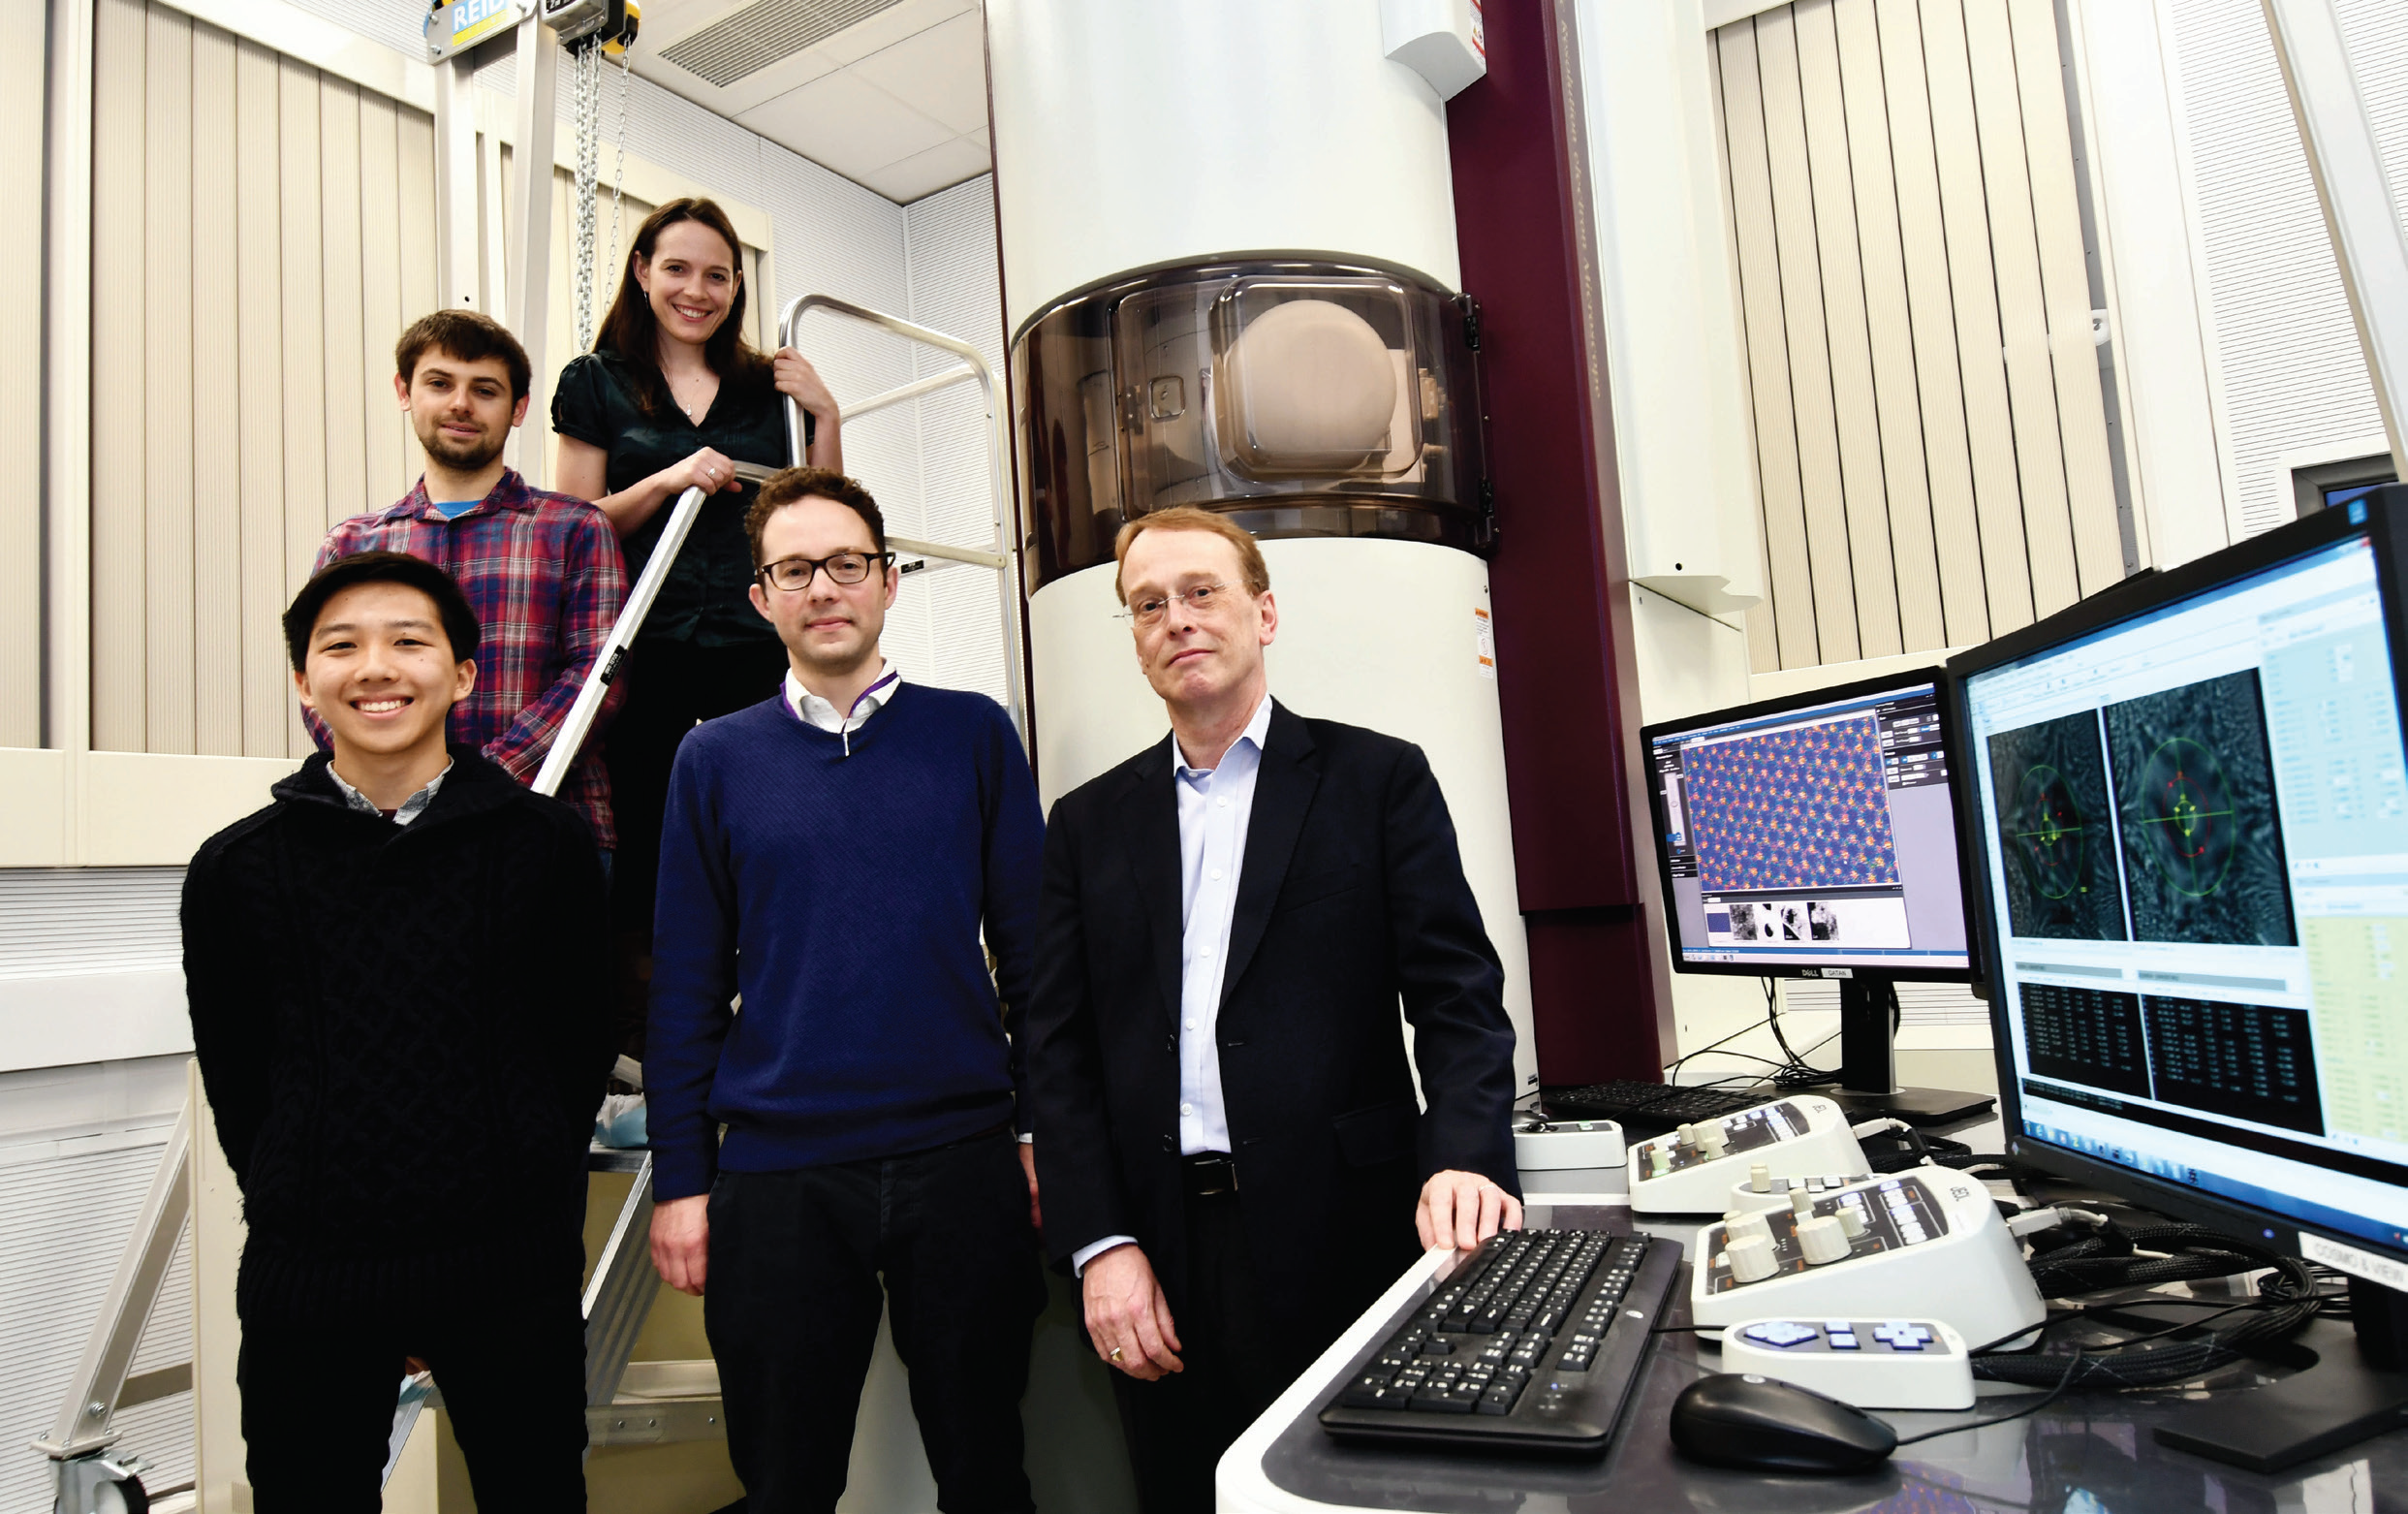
<point x="2286" y="1299"/>
<point x="1772" y="1017"/>
<point x="1714" y="1045"/>
<point x="2064" y="1381"/>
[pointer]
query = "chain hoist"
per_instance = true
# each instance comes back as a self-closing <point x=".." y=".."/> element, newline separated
<point x="593" y="31"/>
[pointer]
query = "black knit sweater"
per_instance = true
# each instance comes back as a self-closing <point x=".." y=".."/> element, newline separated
<point x="403" y="1032"/>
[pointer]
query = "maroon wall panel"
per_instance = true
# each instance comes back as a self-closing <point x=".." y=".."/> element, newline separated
<point x="1563" y="669"/>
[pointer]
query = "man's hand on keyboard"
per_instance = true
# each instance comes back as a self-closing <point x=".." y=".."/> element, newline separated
<point x="1128" y="1319"/>
<point x="1462" y="1208"/>
<point x="682" y="1242"/>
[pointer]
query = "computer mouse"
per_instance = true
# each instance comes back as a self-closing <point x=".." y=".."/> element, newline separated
<point x="1740" y="1419"/>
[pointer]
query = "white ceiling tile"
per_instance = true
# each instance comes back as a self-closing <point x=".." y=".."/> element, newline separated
<point x="940" y="72"/>
<point x="983" y="140"/>
<point x="847" y="124"/>
<point x="891" y="26"/>
<point x="924" y="173"/>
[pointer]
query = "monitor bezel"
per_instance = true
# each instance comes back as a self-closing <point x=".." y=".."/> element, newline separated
<point x="2385" y="524"/>
<point x="1834" y="693"/>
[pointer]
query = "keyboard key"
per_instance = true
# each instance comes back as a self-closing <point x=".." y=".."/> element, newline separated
<point x="1499" y="1399"/>
<point x="1370" y="1391"/>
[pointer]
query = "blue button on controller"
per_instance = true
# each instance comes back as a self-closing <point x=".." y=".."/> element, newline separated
<point x="1782" y="1332"/>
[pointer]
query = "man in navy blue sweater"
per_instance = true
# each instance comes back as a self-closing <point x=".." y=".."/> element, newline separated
<point x="831" y="854"/>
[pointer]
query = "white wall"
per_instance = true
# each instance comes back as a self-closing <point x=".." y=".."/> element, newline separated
<point x="955" y="288"/>
<point x="1670" y="302"/>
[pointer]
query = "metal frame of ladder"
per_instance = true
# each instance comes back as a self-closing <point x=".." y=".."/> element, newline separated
<point x="645" y="1403"/>
<point x="1003" y="555"/>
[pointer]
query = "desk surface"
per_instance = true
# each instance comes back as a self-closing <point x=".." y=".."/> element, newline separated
<point x="2087" y="1453"/>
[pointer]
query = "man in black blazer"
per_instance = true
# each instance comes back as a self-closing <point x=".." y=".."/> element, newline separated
<point x="1227" y="1139"/>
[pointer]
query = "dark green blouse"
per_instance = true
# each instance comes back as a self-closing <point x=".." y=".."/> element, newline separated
<point x="702" y="600"/>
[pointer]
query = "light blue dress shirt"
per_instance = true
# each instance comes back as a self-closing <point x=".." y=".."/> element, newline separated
<point x="1215" y="806"/>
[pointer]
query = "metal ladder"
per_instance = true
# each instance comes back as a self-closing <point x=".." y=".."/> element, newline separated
<point x="651" y="1403"/>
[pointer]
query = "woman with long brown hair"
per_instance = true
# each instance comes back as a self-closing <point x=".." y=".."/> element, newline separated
<point x="670" y="396"/>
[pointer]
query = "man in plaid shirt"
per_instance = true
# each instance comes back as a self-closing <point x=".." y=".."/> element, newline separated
<point x="542" y="571"/>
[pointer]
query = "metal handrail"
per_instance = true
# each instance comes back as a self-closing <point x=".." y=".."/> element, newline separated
<point x="1005" y="553"/>
<point x="571" y="737"/>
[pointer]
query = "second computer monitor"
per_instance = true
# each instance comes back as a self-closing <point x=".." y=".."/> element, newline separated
<point x="1811" y="834"/>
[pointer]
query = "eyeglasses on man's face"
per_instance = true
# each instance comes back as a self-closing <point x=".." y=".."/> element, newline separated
<point x="1205" y="599"/>
<point x="794" y="575"/>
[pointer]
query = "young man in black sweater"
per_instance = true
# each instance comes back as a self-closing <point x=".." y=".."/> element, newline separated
<point x="398" y="1001"/>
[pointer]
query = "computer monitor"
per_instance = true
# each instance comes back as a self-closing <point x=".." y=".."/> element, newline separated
<point x="1815" y="836"/>
<point x="2187" y="805"/>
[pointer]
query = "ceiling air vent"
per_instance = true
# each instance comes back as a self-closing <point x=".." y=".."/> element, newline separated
<point x="764" y="32"/>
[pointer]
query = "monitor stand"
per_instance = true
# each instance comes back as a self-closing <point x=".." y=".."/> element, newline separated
<point x="1868" y="1069"/>
<point x="2353" y="1392"/>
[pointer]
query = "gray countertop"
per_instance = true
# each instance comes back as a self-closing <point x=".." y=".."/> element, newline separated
<point x="2086" y="1454"/>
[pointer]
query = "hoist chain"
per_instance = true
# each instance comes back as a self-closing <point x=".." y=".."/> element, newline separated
<point x="618" y="175"/>
<point x="585" y="86"/>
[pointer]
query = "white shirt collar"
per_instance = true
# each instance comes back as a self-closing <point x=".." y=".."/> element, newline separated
<point x="1257" y="731"/>
<point x="411" y="808"/>
<point x="813" y="710"/>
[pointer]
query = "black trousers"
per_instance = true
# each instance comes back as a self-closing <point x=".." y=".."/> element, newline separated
<point x="318" y="1406"/>
<point x="1234" y="1364"/>
<point x="792" y="1304"/>
<point x="671" y="686"/>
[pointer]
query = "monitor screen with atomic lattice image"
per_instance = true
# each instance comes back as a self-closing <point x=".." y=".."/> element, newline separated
<point x="1812" y="833"/>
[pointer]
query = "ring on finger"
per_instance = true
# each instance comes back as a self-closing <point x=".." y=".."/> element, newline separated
<point x="1116" y="1356"/>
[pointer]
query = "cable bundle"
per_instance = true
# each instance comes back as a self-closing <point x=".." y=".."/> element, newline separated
<point x="2111" y="1255"/>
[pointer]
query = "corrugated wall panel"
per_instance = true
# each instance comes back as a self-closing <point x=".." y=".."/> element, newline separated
<point x="259" y="382"/>
<point x="379" y="295"/>
<point x="1981" y="362"/>
<point x="1763" y="644"/>
<point x="251" y="264"/>
<point x="23" y="97"/>
<point x="2065" y="296"/>
<point x="414" y="134"/>
<point x="2022" y="314"/>
<point x="300" y="361"/>
<point x="167" y="386"/>
<point x="1764" y="334"/>
<point x="120" y="590"/>
<point x="1926" y="400"/>
<point x="216" y="405"/>
<point x="1930" y="302"/>
<point x="1888" y="328"/>
<point x="1807" y="344"/>
<point x="57" y="921"/>
<point x="351" y="362"/>
<point x="1871" y="563"/>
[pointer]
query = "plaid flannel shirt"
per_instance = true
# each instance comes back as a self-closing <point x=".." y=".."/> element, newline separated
<point x="543" y="572"/>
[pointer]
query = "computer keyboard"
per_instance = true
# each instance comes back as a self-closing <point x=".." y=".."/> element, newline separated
<point x="1650" y="1108"/>
<point x="1535" y="1343"/>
